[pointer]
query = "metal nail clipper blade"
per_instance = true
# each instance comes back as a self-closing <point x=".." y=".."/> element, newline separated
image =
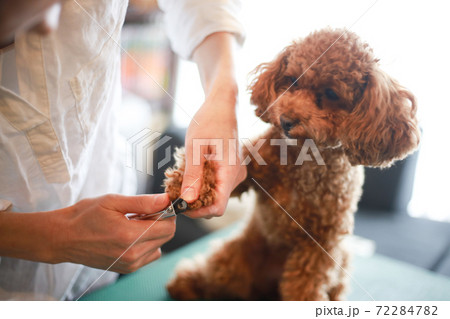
<point x="176" y="207"/>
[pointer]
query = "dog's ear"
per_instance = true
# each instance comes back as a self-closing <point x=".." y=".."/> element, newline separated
<point x="263" y="88"/>
<point x="382" y="127"/>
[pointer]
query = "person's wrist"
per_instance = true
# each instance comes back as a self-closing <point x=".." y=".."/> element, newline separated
<point x="60" y="232"/>
<point x="223" y="94"/>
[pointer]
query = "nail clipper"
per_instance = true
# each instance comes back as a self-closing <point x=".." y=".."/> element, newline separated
<point x="176" y="207"/>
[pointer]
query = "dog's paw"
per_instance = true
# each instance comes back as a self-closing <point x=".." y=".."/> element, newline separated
<point x="189" y="282"/>
<point x="174" y="180"/>
<point x="187" y="285"/>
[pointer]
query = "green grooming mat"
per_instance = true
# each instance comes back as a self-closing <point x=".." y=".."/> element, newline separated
<point x="374" y="277"/>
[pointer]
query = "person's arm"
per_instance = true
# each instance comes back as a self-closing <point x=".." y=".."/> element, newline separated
<point x="207" y="33"/>
<point x="216" y="119"/>
<point x="215" y="61"/>
<point x="94" y="232"/>
<point x="18" y="15"/>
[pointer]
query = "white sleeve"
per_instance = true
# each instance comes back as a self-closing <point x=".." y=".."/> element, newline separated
<point x="189" y="22"/>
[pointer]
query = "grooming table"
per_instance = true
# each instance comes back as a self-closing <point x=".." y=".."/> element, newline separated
<point x="383" y="278"/>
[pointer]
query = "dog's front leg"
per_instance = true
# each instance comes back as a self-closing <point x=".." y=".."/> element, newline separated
<point x="230" y="273"/>
<point x="306" y="274"/>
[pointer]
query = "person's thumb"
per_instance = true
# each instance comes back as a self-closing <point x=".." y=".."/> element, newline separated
<point x="140" y="204"/>
<point x="192" y="178"/>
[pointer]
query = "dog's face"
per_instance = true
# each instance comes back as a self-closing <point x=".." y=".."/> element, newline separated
<point x="329" y="87"/>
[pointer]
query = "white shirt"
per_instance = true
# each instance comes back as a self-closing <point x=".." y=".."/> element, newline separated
<point x="58" y="132"/>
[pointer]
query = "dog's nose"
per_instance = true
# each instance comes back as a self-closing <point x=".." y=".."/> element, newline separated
<point x="286" y="123"/>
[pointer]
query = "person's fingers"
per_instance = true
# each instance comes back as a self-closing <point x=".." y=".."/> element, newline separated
<point x="149" y="230"/>
<point x="145" y="260"/>
<point x="215" y="210"/>
<point x="151" y="257"/>
<point x="193" y="174"/>
<point x="138" y="255"/>
<point x="224" y="187"/>
<point x="206" y="212"/>
<point x="241" y="176"/>
<point x="141" y="204"/>
<point x="140" y="250"/>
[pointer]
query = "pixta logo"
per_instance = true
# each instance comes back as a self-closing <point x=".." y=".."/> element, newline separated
<point x="141" y="147"/>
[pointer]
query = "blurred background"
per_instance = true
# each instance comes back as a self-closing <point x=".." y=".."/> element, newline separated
<point x="404" y="212"/>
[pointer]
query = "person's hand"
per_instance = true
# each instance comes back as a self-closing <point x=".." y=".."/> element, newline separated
<point x="215" y="121"/>
<point x="97" y="232"/>
<point x="214" y="131"/>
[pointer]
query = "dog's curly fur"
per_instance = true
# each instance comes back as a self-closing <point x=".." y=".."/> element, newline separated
<point x="357" y="115"/>
<point x="174" y="179"/>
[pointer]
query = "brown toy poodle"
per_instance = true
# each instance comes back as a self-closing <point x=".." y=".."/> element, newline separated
<point x="327" y="88"/>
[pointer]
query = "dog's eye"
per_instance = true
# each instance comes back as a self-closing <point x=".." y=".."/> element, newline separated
<point x="331" y="95"/>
